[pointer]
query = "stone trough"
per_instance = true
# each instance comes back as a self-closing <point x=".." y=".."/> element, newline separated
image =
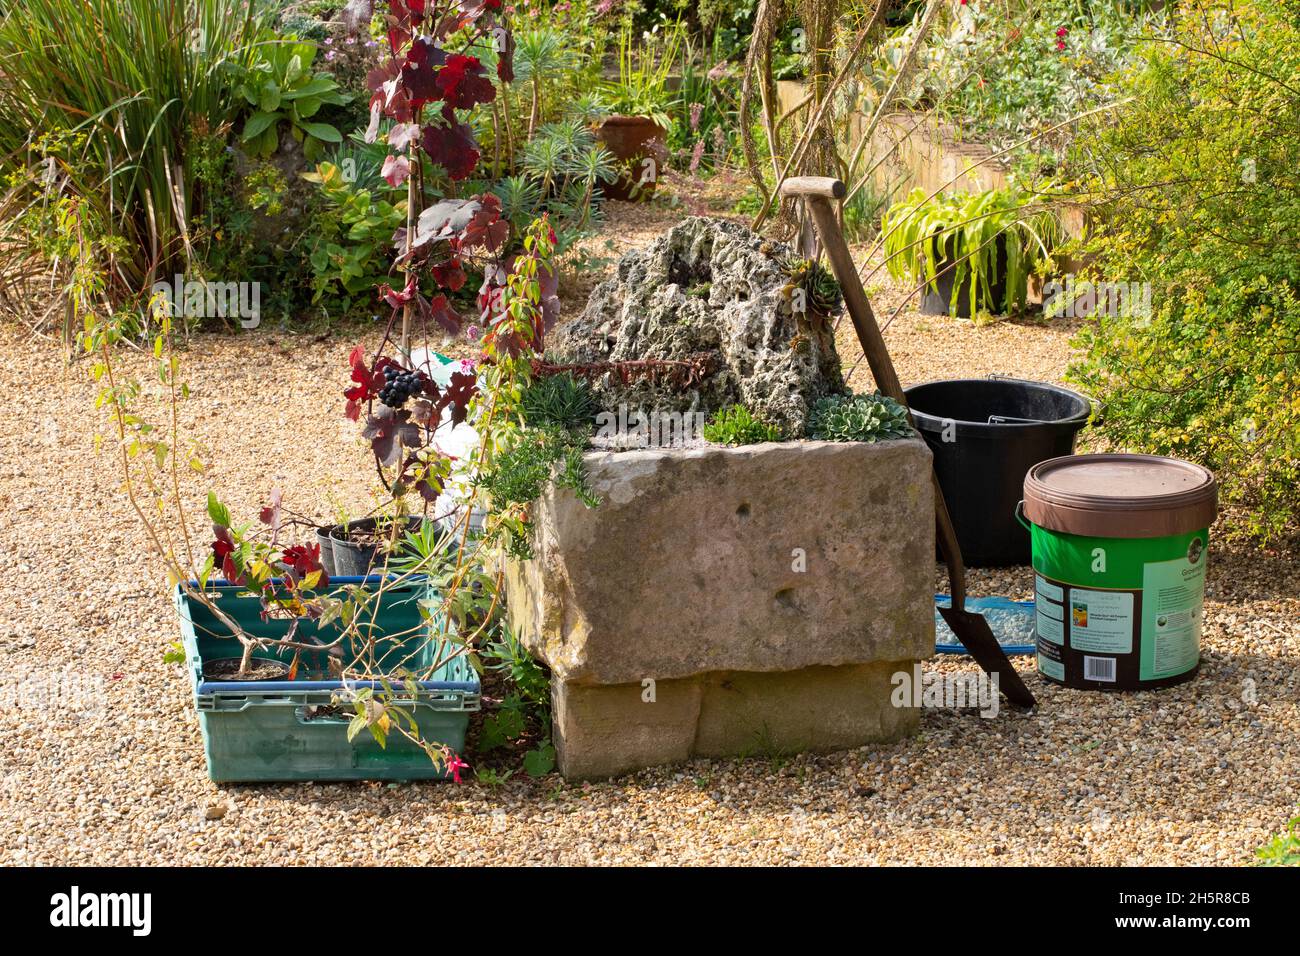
<point x="730" y="601"/>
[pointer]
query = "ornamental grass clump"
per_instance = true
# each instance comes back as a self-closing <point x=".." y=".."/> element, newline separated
<point x="866" y="418"/>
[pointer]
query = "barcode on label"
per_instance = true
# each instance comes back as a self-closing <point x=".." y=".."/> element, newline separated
<point x="1098" y="668"/>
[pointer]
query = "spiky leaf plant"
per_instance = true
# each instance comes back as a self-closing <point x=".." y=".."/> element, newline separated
<point x="737" y="425"/>
<point x="559" y="400"/>
<point x="811" y="288"/>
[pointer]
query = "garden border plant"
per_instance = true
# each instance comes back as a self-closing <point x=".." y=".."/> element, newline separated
<point x="402" y="406"/>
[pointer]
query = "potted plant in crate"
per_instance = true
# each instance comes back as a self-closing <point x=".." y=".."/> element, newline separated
<point x="974" y="252"/>
<point x="368" y="673"/>
<point x="636" y="132"/>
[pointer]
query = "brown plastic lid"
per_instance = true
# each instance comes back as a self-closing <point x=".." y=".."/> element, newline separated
<point x="1120" y="496"/>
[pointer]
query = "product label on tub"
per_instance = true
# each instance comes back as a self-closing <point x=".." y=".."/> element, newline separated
<point x="1173" y="593"/>
<point x="1101" y="622"/>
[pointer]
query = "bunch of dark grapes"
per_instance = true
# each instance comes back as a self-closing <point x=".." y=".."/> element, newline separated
<point x="400" y="385"/>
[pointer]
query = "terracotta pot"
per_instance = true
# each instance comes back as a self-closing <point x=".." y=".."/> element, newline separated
<point x="633" y="140"/>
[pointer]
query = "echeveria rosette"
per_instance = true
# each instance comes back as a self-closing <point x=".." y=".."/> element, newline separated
<point x="864" y="418"/>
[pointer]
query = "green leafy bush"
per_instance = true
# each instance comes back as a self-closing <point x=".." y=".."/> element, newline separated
<point x="1005" y="72"/>
<point x="736" y="425"/>
<point x="280" y="87"/>
<point x="1197" y="182"/>
<point x="866" y="418"/>
<point x="251" y="222"/>
<point x="351" y="244"/>
<point x="130" y="82"/>
<point x="520" y="474"/>
<point x="559" y="400"/>
<point x="975" y="231"/>
<point x="1283" y="849"/>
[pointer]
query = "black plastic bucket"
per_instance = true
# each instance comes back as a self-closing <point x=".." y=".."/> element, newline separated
<point x="986" y="433"/>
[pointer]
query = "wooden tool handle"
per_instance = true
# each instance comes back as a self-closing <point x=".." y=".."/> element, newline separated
<point x="816" y="190"/>
<point x="808" y="186"/>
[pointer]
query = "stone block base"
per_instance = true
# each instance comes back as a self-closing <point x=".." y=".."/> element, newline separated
<point x="604" y="730"/>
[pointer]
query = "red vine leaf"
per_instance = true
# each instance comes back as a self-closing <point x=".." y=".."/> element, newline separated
<point x="396" y="170"/>
<point x="420" y="71"/>
<point x="403" y="135"/>
<point x="439" y="310"/>
<point x="304" y="559"/>
<point x="449" y="274"/>
<point x="463" y="82"/>
<point x="388" y="430"/>
<point x="452" y="147"/>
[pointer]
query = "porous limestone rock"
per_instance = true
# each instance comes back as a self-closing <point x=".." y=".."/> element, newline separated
<point x="712" y="287"/>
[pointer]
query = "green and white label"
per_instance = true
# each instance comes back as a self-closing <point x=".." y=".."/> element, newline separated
<point x="1101" y="622"/>
<point x="1173" y="593"/>
<point x="1128" y="622"/>
<point x="1053" y="669"/>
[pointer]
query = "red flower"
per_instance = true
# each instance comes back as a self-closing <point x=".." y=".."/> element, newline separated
<point x="1060" y="44"/>
<point x="1061" y="31"/>
<point x="455" y="765"/>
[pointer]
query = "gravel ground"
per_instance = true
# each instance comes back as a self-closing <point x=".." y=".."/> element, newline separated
<point x="101" y="759"/>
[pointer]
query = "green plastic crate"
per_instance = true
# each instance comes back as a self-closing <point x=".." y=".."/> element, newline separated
<point x="263" y="731"/>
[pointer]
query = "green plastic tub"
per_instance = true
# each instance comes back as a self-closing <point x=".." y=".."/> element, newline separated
<point x="1120" y="546"/>
<point x="276" y="731"/>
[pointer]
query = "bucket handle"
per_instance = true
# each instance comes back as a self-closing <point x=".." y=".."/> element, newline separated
<point x="1020" y="516"/>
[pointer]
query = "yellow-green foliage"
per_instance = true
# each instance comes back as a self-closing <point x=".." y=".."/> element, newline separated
<point x="1201" y="178"/>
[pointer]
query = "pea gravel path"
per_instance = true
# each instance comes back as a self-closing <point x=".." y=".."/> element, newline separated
<point x="101" y="759"/>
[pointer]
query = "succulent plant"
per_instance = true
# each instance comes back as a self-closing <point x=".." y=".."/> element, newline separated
<point x="867" y="418"/>
<point x="736" y="425"/>
<point x="811" y="288"/>
<point x="560" y="400"/>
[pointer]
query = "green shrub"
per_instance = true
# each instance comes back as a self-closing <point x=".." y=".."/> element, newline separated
<point x="130" y="82"/>
<point x="280" y="87"/>
<point x="736" y="425"/>
<point x="867" y="418"/>
<point x="253" y="224"/>
<point x="520" y="474"/>
<point x="1198" y="180"/>
<point x="351" y="244"/>
<point x="559" y="400"/>
<point x="1003" y="72"/>
<point x="1283" y="849"/>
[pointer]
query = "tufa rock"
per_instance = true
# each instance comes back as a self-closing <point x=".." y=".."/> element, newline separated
<point x="710" y="287"/>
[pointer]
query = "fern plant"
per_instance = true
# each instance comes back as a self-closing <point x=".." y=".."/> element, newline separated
<point x="925" y="234"/>
<point x="864" y="418"/>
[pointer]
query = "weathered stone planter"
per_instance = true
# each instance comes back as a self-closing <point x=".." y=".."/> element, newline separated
<point x="728" y="601"/>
